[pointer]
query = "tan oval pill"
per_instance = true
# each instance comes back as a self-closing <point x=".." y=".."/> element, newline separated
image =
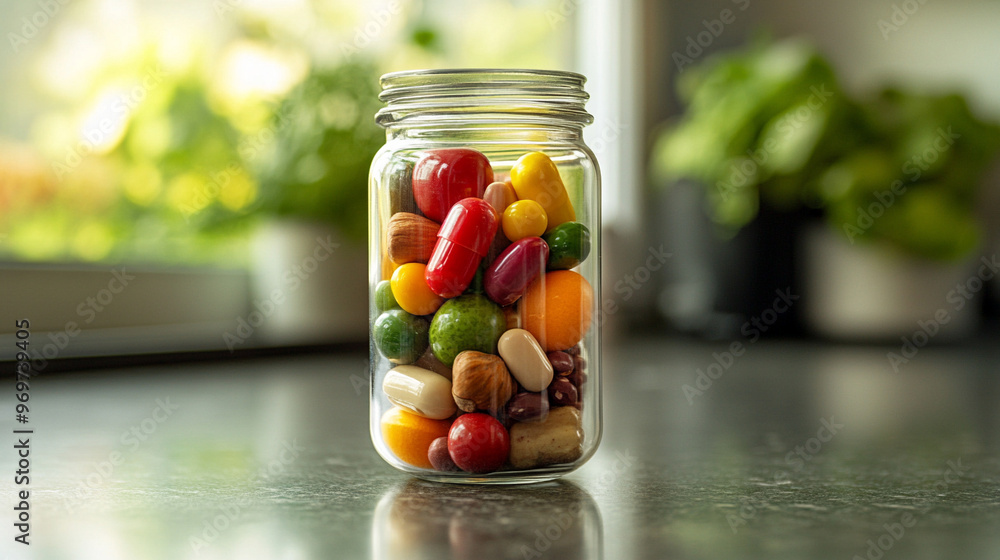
<point x="500" y="195"/>
<point x="419" y="391"/>
<point x="525" y="359"/>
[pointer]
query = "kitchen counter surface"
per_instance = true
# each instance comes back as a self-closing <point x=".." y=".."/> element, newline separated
<point x="792" y="450"/>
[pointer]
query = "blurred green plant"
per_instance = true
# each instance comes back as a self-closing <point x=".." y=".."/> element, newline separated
<point x="770" y="124"/>
<point x="324" y="139"/>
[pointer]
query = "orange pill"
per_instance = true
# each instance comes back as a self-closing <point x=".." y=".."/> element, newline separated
<point x="556" y="309"/>
<point x="409" y="436"/>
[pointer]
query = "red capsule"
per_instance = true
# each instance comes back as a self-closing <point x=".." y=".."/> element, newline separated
<point x="443" y="177"/>
<point x="463" y="240"/>
<point x="515" y="268"/>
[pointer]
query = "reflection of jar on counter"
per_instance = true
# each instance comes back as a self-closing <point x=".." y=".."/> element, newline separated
<point x="484" y="234"/>
<point x="552" y="520"/>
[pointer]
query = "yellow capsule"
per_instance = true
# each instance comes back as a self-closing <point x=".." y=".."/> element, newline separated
<point x="411" y="291"/>
<point x="524" y="218"/>
<point x="535" y="177"/>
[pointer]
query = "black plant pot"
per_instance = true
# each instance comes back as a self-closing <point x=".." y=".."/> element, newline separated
<point x="728" y="288"/>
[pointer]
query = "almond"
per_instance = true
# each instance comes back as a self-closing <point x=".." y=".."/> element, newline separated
<point x="481" y="382"/>
<point x="410" y="238"/>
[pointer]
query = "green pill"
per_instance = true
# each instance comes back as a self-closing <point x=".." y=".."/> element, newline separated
<point x="384" y="300"/>
<point x="469" y="322"/>
<point x="400" y="337"/>
<point x="569" y="245"/>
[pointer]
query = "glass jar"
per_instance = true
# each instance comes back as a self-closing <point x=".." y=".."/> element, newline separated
<point x="484" y="269"/>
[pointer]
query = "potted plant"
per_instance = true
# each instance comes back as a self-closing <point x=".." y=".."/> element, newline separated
<point x="313" y="177"/>
<point x="895" y="179"/>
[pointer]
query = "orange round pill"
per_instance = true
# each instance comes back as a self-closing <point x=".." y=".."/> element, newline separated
<point x="556" y="309"/>
<point x="409" y="436"/>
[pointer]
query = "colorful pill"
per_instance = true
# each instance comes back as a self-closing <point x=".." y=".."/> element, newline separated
<point x="515" y="268"/>
<point x="464" y="239"/>
<point x="500" y="195"/>
<point x="535" y="177"/>
<point x="409" y="287"/>
<point x="443" y="177"/>
<point x="524" y="218"/>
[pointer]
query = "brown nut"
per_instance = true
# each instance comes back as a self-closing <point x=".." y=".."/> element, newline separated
<point x="410" y="238"/>
<point x="481" y="382"/>
<point x="529" y="407"/>
<point x="562" y="392"/>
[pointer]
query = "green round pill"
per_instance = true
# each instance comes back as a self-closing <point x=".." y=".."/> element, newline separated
<point x="399" y="336"/>
<point x="384" y="300"/>
<point x="469" y="322"/>
<point x="569" y="245"/>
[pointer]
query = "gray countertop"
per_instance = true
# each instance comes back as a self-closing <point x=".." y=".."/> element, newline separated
<point x="794" y="450"/>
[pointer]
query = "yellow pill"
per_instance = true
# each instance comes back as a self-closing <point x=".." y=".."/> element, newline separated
<point x="524" y="218"/>
<point x="536" y="177"/>
<point x="411" y="291"/>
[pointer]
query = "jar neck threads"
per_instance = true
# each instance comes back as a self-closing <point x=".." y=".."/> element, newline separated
<point x="486" y="99"/>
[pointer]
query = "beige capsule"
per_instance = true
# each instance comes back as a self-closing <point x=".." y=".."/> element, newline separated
<point x="526" y="360"/>
<point x="419" y="391"/>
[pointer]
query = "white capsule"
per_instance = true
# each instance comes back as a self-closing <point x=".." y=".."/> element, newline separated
<point x="419" y="391"/>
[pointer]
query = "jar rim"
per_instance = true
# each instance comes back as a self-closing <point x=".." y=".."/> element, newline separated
<point x="484" y="95"/>
<point x="524" y="74"/>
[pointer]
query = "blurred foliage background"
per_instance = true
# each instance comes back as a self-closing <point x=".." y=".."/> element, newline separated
<point x="166" y="132"/>
<point x="770" y="124"/>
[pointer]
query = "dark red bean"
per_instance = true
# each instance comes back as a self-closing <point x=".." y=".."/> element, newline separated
<point x="529" y="407"/>
<point x="562" y="392"/>
<point x="561" y="362"/>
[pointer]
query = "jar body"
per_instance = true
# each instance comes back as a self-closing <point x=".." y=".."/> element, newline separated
<point x="484" y="270"/>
